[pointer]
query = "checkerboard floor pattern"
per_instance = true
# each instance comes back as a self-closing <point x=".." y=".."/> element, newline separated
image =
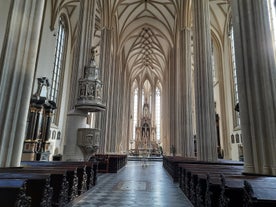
<point x="138" y="184"/>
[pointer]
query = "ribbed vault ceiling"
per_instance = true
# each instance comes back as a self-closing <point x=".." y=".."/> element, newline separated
<point x="146" y="31"/>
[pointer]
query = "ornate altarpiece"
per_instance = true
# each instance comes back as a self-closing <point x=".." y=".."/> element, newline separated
<point x="145" y="140"/>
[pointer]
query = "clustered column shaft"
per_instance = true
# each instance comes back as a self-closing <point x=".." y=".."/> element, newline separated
<point x="18" y="62"/>
<point x="256" y="84"/>
<point x="204" y="99"/>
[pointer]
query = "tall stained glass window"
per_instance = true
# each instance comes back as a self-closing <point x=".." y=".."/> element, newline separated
<point x="158" y="113"/>
<point x="235" y="81"/>
<point x="58" y="66"/>
<point x="135" y="111"/>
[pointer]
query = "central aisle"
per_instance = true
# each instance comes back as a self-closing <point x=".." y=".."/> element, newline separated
<point x="135" y="185"/>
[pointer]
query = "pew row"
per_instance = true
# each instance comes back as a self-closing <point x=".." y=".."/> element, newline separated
<point x="90" y="168"/>
<point x="13" y="193"/>
<point x="221" y="183"/>
<point x="171" y="164"/>
<point x="52" y="183"/>
<point x="110" y="163"/>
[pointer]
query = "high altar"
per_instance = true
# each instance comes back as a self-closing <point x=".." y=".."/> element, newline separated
<point x="145" y="142"/>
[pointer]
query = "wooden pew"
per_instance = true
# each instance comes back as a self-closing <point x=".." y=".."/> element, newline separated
<point x="68" y="180"/>
<point x="222" y="185"/>
<point x="13" y="193"/>
<point x="202" y="182"/>
<point x="171" y="164"/>
<point x="86" y="171"/>
<point x="62" y="181"/>
<point x="116" y="162"/>
<point x="103" y="162"/>
<point x="71" y="173"/>
<point x="37" y="187"/>
<point x="110" y="163"/>
<point x="260" y="192"/>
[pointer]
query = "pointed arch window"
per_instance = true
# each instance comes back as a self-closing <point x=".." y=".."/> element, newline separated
<point x="135" y="112"/>
<point x="158" y="113"/>
<point x="59" y="62"/>
<point x="235" y="81"/>
<point x="143" y="97"/>
<point x="213" y="64"/>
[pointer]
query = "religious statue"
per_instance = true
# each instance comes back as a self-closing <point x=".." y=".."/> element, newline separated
<point x="42" y="82"/>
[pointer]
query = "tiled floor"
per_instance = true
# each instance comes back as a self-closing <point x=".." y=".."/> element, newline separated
<point x="135" y="185"/>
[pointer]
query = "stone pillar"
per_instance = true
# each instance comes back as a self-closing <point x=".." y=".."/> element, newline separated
<point x="204" y="98"/>
<point x="76" y="118"/>
<point x="185" y="94"/>
<point x="126" y="98"/>
<point x="17" y="63"/>
<point x="105" y="65"/>
<point x="114" y="105"/>
<point x="83" y="44"/>
<point x="121" y="145"/>
<point x="165" y="109"/>
<point x="257" y="93"/>
<point x="172" y="99"/>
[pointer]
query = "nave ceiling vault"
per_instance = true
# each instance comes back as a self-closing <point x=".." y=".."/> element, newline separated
<point x="146" y="30"/>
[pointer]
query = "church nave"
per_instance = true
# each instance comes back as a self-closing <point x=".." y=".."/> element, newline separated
<point x="137" y="184"/>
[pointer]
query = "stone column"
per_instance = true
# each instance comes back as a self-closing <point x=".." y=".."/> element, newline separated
<point x="82" y="53"/>
<point x="105" y="65"/>
<point x="172" y="99"/>
<point x="76" y="118"/>
<point x="126" y="98"/>
<point x="185" y="94"/>
<point x="165" y="115"/>
<point x="17" y="63"/>
<point x="121" y="144"/>
<point x="204" y="98"/>
<point x="114" y="105"/>
<point x="257" y="93"/>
